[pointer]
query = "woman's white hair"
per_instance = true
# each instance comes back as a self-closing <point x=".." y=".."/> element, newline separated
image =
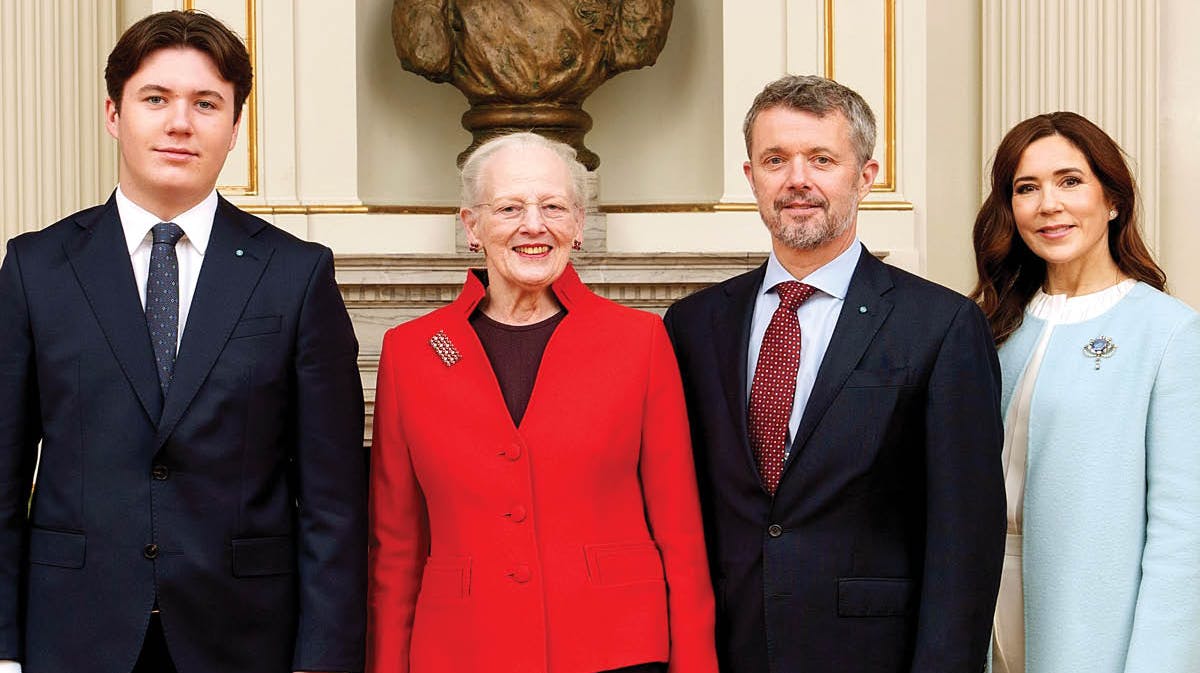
<point x="472" y="168"/>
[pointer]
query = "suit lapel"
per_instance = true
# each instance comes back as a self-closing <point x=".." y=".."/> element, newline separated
<point x="100" y="259"/>
<point x="731" y="341"/>
<point x="233" y="264"/>
<point x="851" y="336"/>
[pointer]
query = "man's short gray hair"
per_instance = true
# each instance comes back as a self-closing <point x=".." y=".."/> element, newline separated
<point x="818" y="96"/>
<point x="472" y="168"/>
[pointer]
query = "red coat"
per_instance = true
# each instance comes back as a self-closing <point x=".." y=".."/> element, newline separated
<point x="549" y="547"/>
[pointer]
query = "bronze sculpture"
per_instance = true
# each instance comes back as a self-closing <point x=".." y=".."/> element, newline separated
<point x="528" y="64"/>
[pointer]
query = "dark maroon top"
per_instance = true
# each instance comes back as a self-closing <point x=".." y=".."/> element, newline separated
<point x="515" y="352"/>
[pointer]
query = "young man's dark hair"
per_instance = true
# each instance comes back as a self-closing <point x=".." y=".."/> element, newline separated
<point x="178" y="29"/>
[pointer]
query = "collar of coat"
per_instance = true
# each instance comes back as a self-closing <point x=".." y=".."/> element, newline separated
<point x="569" y="290"/>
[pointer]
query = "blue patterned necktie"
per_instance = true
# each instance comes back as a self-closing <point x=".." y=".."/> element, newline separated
<point x="162" y="299"/>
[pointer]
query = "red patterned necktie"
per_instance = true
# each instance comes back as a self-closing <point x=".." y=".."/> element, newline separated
<point x="774" y="386"/>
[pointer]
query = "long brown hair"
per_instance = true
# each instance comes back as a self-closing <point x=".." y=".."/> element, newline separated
<point x="1009" y="273"/>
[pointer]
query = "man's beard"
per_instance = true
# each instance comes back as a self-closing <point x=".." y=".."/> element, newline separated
<point x="815" y="230"/>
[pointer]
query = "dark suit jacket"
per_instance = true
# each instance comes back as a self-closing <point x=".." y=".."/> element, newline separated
<point x="238" y="502"/>
<point x="881" y="550"/>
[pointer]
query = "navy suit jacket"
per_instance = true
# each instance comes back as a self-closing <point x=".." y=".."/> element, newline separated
<point x="237" y="502"/>
<point x="881" y="549"/>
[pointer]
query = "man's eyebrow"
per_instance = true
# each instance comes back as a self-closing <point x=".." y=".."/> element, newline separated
<point x="776" y="149"/>
<point x="158" y="88"/>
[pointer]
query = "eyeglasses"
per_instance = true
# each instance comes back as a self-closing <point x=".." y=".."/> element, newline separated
<point x="551" y="210"/>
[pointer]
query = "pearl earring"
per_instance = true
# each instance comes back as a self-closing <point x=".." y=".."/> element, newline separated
<point x="1112" y="214"/>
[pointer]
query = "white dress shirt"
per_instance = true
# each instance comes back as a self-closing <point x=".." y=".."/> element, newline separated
<point x="197" y="226"/>
<point x="818" y="316"/>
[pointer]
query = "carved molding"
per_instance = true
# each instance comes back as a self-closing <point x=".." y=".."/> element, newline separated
<point x="429" y="281"/>
<point x="381" y="291"/>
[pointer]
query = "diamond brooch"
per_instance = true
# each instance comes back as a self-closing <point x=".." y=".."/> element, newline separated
<point x="444" y="348"/>
<point x="1100" y="347"/>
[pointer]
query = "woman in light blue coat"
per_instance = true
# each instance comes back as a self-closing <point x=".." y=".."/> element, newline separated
<point x="1102" y="414"/>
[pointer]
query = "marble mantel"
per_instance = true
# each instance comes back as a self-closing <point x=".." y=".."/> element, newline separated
<point x="384" y="290"/>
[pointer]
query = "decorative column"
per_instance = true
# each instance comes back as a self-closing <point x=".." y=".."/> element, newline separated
<point x="55" y="156"/>
<point x="1098" y="58"/>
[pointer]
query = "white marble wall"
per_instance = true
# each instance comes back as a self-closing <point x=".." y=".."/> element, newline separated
<point x="351" y="150"/>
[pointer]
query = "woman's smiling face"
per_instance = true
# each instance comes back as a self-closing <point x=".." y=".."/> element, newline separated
<point x="1059" y="205"/>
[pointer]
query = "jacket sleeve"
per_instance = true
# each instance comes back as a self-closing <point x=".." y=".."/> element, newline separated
<point x="331" y="478"/>
<point x="399" y="541"/>
<point x="673" y="508"/>
<point x="20" y="431"/>
<point x="1166" y="622"/>
<point x="965" y="518"/>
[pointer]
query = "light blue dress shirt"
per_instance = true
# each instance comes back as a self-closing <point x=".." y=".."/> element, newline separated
<point x="818" y="316"/>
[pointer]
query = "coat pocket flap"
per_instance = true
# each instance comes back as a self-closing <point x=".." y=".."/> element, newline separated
<point x="258" y="556"/>
<point x="624" y="563"/>
<point x="57" y="548"/>
<point x="446" y="577"/>
<point x="268" y="324"/>
<point x="876" y="597"/>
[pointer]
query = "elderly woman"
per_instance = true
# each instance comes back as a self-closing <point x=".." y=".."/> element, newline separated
<point x="1101" y="374"/>
<point x="533" y="494"/>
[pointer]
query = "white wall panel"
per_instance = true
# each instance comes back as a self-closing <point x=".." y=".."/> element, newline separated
<point x="55" y="157"/>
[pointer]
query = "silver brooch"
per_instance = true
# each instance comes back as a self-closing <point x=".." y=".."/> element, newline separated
<point x="1100" y="347"/>
<point x="444" y="348"/>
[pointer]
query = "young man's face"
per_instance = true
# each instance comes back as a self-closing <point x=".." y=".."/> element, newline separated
<point x="175" y="128"/>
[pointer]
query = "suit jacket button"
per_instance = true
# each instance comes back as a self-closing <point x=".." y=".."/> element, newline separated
<point x="511" y="452"/>
<point x="774" y="530"/>
<point x="517" y="514"/>
<point x="150" y="551"/>
<point x="520" y="574"/>
<point x="160" y="472"/>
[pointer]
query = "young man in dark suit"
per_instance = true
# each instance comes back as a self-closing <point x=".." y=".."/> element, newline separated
<point x="190" y="374"/>
<point x="845" y="419"/>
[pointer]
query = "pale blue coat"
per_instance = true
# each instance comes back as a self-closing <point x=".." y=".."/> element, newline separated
<point x="1112" y="504"/>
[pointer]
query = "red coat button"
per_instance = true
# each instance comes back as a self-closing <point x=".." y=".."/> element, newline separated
<point x="520" y="574"/>
<point x="517" y="514"/>
<point x="511" y="452"/>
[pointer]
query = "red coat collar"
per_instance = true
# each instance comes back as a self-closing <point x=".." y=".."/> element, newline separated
<point x="569" y="289"/>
